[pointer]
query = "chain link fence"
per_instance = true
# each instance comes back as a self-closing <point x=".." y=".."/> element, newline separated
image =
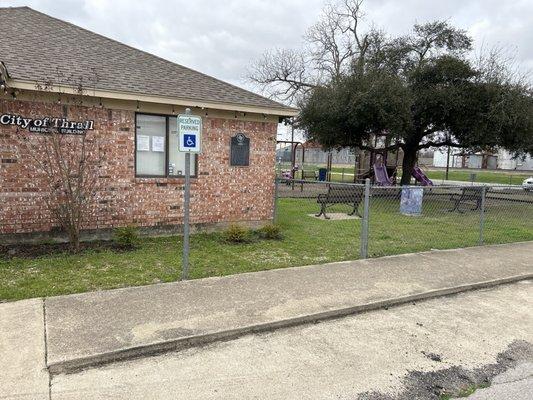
<point x="345" y="221"/>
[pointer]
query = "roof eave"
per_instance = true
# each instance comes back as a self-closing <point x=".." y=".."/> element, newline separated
<point x="4" y="75"/>
<point x="283" y="111"/>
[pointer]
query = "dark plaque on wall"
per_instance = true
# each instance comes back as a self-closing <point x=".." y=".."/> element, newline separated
<point x="240" y="150"/>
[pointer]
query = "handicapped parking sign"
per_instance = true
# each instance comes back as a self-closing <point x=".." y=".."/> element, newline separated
<point x="190" y="141"/>
<point x="190" y="133"/>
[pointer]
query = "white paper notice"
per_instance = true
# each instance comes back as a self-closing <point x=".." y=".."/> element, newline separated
<point x="158" y="143"/>
<point x="143" y="143"/>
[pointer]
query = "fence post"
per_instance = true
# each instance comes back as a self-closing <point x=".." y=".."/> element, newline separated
<point x="275" y="213"/>
<point x="364" y="222"/>
<point x="482" y="215"/>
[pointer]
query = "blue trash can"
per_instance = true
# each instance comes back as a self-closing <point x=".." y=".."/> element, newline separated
<point x="322" y="174"/>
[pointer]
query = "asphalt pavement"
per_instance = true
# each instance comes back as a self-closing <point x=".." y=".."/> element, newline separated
<point x="515" y="384"/>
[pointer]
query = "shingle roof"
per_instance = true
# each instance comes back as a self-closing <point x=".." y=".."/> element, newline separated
<point x="34" y="46"/>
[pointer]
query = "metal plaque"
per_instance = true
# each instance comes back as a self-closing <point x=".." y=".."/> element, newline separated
<point x="240" y="150"/>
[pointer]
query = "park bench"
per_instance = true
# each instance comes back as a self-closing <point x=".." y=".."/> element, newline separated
<point x="341" y="194"/>
<point x="468" y="195"/>
<point x="309" y="174"/>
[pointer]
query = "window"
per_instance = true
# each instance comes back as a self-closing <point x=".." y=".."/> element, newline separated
<point x="156" y="147"/>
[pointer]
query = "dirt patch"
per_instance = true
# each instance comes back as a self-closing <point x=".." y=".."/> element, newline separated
<point x="45" y="249"/>
<point x="335" y="217"/>
<point x="450" y="381"/>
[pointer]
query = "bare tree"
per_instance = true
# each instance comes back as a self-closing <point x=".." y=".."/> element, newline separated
<point x="333" y="45"/>
<point x="65" y="161"/>
<point x="283" y="74"/>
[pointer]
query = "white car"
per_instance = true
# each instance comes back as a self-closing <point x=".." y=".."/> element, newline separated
<point x="528" y="184"/>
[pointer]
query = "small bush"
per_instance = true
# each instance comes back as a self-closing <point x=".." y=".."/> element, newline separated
<point x="237" y="234"/>
<point x="126" y="237"/>
<point x="271" y="231"/>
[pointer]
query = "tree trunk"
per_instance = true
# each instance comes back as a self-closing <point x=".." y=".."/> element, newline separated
<point x="74" y="239"/>
<point x="409" y="162"/>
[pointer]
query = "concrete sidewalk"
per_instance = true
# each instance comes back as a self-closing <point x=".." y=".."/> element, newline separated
<point x="91" y="328"/>
<point x="23" y="373"/>
<point x="407" y="352"/>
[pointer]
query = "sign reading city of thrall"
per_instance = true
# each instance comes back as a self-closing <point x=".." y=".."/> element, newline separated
<point x="48" y="124"/>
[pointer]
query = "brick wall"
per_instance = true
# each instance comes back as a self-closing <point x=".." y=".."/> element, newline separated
<point x="220" y="193"/>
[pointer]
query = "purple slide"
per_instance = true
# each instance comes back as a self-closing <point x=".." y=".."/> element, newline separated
<point x="421" y="177"/>
<point x="381" y="178"/>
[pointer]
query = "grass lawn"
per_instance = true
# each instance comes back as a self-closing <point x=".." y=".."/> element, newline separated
<point x="437" y="228"/>
<point x="307" y="240"/>
<point x="504" y="177"/>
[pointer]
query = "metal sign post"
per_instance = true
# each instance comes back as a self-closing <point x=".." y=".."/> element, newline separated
<point x="190" y="136"/>
<point x="186" y="205"/>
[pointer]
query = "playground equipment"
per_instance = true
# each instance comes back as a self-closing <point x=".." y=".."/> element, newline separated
<point x="286" y="176"/>
<point x="420" y="177"/>
<point x="294" y="146"/>
<point x="378" y="163"/>
<point x="381" y="177"/>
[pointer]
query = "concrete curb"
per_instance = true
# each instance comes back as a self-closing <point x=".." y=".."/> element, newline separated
<point x="77" y="364"/>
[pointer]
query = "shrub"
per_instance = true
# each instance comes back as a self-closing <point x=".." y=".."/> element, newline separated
<point x="271" y="231"/>
<point x="237" y="234"/>
<point x="126" y="237"/>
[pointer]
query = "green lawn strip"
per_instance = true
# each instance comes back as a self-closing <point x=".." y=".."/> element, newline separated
<point x="307" y="240"/>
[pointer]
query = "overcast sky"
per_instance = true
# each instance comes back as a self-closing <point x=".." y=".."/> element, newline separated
<point x="221" y="38"/>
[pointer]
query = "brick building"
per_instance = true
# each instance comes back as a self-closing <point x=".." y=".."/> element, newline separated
<point x="128" y="104"/>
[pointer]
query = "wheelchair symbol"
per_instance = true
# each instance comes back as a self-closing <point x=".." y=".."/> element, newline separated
<point x="190" y="140"/>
